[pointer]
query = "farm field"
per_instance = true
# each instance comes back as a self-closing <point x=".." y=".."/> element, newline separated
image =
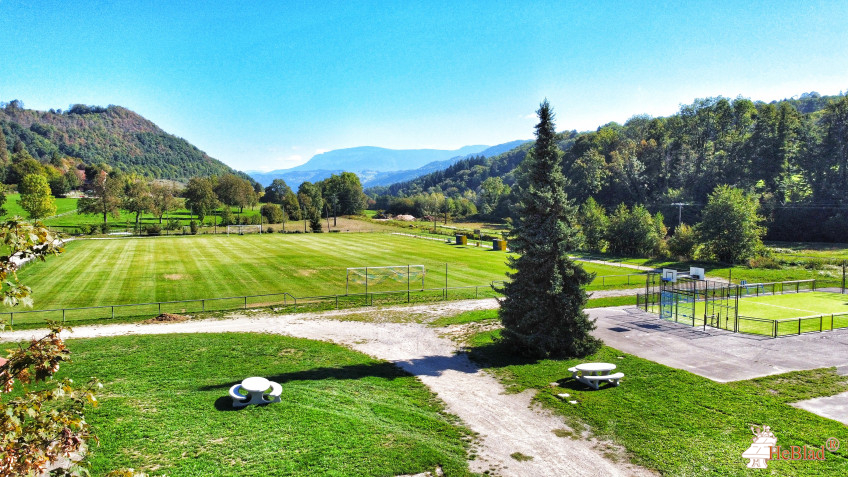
<point x="164" y="409"/>
<point x="142" y="270"/>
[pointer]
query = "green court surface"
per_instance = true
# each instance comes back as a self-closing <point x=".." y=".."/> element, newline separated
<point x="774" y="315"/>
<point x="795" y="305"/>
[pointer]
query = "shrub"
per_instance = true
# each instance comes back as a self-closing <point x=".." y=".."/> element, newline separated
<point x="153" y="230"/>
<point x="193" y="226"/>
<point x="273" y="213"/>
<point x="683" y="243"/>
<point x="104" y="228"/>
<point x="761" y="261"/>
<point x="269" y="230"/>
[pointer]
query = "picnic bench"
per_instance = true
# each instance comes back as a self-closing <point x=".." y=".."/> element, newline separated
<point x="259" y="391"/>
<point x="591" y="374"/>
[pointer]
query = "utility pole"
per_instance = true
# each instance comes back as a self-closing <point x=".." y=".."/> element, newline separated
<point x="680" y="212"/>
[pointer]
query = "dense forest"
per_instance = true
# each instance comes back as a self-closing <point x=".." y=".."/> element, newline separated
<point x="792" y="154"/>
<point x="113" y="136"/>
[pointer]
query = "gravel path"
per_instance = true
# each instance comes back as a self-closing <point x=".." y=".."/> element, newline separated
<point x="506" y="423"/>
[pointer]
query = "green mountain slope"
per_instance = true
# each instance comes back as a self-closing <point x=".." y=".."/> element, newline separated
<point x="792" y="153"/>
<point x="114" y="135"/>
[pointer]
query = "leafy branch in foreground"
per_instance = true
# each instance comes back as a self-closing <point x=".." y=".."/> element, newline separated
<point x="41" y="425"/>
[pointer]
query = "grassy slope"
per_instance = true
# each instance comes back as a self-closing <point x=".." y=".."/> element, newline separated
<point x="104" y="272"/>
<point x="13" y="207"/>
<point x="677" y="422"/>
<point x="164" y="409"/>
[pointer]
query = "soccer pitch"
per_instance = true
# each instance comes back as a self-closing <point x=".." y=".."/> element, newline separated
<point x="144" y="270"/>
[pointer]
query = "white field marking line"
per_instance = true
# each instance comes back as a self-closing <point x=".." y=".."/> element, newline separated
<point x="786" y="307"/>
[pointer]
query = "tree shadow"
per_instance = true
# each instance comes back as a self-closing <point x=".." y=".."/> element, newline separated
<point x="356" y="371"/>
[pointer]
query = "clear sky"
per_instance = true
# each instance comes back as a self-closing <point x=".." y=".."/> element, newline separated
<point x="266" y="85"/>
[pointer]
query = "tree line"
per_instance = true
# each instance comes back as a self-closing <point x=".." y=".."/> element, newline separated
<point x="791" y="154"/>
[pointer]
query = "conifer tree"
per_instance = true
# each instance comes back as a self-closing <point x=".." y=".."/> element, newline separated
<point x="542" y="311"/>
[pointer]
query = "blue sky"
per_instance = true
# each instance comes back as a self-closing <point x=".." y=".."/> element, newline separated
<point x="267" y="85"/>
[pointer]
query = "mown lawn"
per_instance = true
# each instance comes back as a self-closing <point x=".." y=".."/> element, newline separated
<point x="164" y="409"/>
<point x="13" y="206"/>
<point x="676" y="422"/>
<point x="142" y="270"/>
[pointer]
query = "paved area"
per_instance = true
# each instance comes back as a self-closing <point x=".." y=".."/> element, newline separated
<point x="717" y="354"/>
<point x="831" y="407"/>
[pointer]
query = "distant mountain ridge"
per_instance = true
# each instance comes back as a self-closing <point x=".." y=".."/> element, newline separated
<point x="377" y="166"/>
<point x="114" y="135"/>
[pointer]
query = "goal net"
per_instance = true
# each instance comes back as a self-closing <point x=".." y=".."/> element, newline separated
<point x="373" y="276"/>
<point x="244" y="229"/>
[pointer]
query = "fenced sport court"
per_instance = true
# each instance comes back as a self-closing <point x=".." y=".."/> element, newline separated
<point x="770" y="309"/>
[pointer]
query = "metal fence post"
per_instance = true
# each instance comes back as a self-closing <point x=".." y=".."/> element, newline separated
<point x="202" y="305"/>
<point x="63" y="315"/>
<point x="11" y="318"/>
<point x="113" y="312"/>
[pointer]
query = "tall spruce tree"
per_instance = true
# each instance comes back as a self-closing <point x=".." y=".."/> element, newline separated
<point x="542" y="311"/>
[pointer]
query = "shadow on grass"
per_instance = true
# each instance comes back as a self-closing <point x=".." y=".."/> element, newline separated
<point x="428" y="365"/>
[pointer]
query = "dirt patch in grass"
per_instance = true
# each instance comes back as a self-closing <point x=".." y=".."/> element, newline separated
<point x="166" y="318"/>
<point x="174" y="276"/>
<point x="307" y="273"/>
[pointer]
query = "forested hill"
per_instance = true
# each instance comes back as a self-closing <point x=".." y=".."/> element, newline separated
<point x="792" y="153"/>
<point x="113" y="135"/>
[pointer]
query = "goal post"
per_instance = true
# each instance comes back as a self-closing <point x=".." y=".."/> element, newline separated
<point x="243" y="229"/>
<point x="370" y="276"/>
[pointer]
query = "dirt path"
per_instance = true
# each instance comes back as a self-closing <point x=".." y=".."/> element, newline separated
<point x="506" y="423"/>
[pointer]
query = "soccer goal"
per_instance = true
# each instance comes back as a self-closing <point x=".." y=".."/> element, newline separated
<point x="244" y="229"/>
<point x="372" y="276"/>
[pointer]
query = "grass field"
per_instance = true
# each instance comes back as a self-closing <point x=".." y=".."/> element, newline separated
<point x="674" y="421"/>
<point x="144" y="270"/>
<point x="13" y="206"/>
<point x="164" y="409"/>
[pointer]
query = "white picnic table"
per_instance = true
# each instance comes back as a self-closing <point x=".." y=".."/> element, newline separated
<point x="592" y="374"/>
<point x="259" y="391"/>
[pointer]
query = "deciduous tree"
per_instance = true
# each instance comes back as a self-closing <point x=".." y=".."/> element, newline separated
<point x="542" y="310"/>
<point x="730" y="226"/>
<point x="136" y="197"/>
<point x="163" y="199"/>
<point x="200" y="196"/>
<point x="106" y="187"/>
<point x="36" y="198"/>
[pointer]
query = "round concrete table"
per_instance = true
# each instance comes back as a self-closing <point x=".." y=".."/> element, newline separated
<point x="595" y="369"/>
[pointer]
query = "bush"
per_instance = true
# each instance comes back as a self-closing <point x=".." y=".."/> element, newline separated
<point x="269" y="230"/>
<point x="153" y="230"/>
<point x="761" y="261"/>
<point x="683" y="243"/>
<point x="193" y="226"/>
<point x="104" y="228"/>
